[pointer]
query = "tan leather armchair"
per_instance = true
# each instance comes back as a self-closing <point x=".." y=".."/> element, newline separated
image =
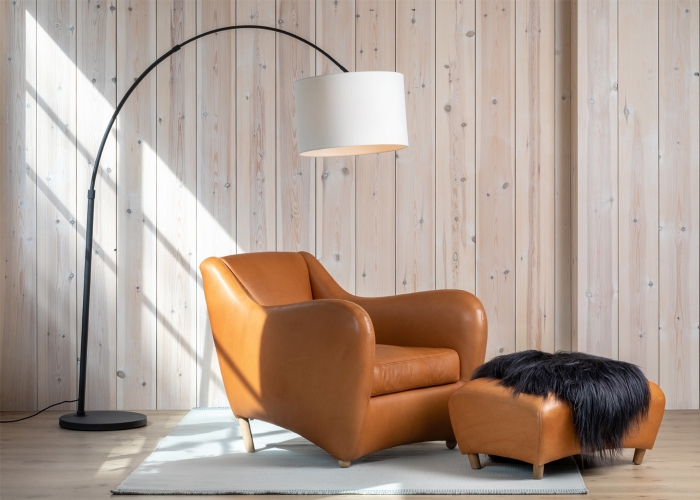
<point x="351" y="374"/>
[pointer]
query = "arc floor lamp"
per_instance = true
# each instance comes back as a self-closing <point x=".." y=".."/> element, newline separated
<point x="340" y="114"/>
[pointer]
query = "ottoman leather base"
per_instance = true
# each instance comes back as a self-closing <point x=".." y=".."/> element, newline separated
<point x="486" y="418"/>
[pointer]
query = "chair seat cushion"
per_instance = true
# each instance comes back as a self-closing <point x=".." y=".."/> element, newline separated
<point x="399" y="369"/>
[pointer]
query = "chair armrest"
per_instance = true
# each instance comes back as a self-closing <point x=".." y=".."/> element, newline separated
<point x="454" y="319"/>
<point x="307" y="366"/>
<point x="320" y="352"/>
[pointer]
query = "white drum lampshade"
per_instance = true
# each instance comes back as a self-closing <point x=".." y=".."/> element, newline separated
<point x="352" y="113"/>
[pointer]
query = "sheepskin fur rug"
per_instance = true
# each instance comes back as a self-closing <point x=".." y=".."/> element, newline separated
<point x="608" y="398"/>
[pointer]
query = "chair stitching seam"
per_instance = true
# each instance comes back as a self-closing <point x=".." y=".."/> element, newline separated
<point x="432" y="356"/>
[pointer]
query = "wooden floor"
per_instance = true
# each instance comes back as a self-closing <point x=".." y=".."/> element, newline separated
<point x="40" y="460"/>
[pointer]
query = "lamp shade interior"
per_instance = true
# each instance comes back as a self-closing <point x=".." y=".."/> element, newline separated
<point x="352" y="113"/>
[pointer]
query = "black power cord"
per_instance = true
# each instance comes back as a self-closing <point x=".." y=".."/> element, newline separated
<point x="30" y="416"/>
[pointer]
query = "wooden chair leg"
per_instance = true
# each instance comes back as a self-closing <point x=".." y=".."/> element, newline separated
<point x="474" y="461"/>
<point x="537" y="471"/>
<point x="638" y="456"/>
<point x="344" y="463"/>
<point x="451" y="444"/>
<point x="247" y="435"/>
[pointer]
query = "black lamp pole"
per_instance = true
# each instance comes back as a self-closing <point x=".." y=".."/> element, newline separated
<point x="119" y="420"/>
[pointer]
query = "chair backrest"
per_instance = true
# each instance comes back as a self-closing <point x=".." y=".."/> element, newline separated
<point x="272" y="278"/>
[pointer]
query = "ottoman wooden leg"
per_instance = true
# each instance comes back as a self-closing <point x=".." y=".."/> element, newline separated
<point x="537" y="471"/>
<point x="474" y="461"/>
<point x="344" y="463"/>
<point x="638" y="456"/>
<point x="451" y="444"/>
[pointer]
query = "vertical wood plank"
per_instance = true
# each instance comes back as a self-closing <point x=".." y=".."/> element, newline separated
<point x="56" y="205"/>
<point x="375" y="243"/>
<point x="296" y="175"/>
<point x="5" y="228"/>
<point x="574" y="173"/>
<point x="597" y="173"/>
<point x="176" y="203"/>
<point x="216" y="173"/>
<point x="415" y="166"/>
<point x="562" y="175"/>
<point x="534" y="179"/>
<point x="255" y="127"/>
<point x="495" y="171"/>
<point x="455" y="153"/>
<point x="638" y="122"/>
<point x="335" y="184"/>
<point x="97" y="91"/>
<point x="5" y="178"/>
<point x="679" y="210"/>
<point x="136" y="208"/>
<point x="18" y="346"/>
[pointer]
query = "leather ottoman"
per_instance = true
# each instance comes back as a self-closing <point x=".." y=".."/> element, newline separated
<point x="486" y="418"/>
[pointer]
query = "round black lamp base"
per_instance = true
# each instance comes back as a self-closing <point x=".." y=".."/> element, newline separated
<point x="103" y="421"/>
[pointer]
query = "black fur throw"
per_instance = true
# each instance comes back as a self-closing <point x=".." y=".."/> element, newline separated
<point x="608" y="398"/>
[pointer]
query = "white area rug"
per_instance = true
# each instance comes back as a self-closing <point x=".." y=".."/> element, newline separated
<point x="204" y="454"/>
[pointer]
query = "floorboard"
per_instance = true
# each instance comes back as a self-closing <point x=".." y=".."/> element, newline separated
<point x="40" y="460"/>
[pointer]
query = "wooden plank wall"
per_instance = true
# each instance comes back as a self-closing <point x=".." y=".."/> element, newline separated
<point x="636" y="186"/>
<point x="296" y="175"/>
<point x="176" y="228"/>
<point x="596" y="294"/>
<point x="335" y="177"/>
<point x="18" y="354"/>
<point x="534" y="176"/>
<point x="563" y="199"/>
<point x="553" y="171"/>
<point x="638" y="135"/>
<point x="136" y="208"/>
<point x="255" y="127"/>
<point x="217" y="158"/>
<point x="455" y="140"/>
<point x="375" y="206"/>
<point x="415" y="166"/>
<point x="679" y="208"/>
<point x="495" y="171"/>
<point x="56" y="202"/>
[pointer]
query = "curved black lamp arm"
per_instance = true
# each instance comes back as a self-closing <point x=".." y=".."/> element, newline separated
<point x="91" y="191"/>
